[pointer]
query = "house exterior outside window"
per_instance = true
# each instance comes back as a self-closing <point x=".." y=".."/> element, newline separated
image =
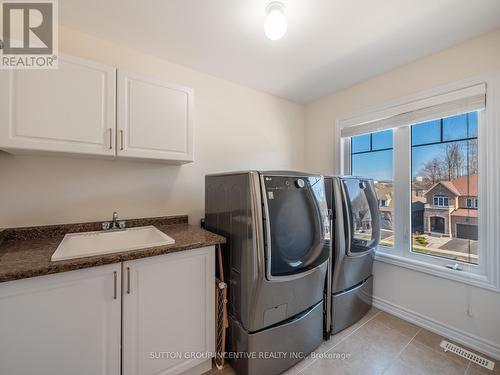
<point x="376" y="148"/>
<point x="384" y="190"/>
<point x="459" y="218"/>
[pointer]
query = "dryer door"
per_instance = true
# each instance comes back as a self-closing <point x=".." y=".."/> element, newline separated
<point x="296" y="226"/>
<point x="361" y="216"/>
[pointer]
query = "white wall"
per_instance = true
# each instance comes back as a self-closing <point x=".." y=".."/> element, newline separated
<point x="441" y="300"/>
<point x="236" y="128"/>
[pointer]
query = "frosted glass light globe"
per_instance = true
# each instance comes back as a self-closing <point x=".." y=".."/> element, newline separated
<point x="276" y="24"/>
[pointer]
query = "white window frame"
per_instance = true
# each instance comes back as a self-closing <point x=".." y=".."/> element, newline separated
<point x="485" y="275"/>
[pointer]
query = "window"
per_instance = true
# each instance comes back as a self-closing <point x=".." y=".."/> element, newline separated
<point x="444" y="157"/>
<point x="371" y="156"/>
<point x="438" y="169"/>
<point x="471" y="203"/>
<point x="440" y="200"/>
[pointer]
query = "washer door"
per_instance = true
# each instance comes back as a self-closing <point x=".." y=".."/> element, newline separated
<point x="297" y="225"/>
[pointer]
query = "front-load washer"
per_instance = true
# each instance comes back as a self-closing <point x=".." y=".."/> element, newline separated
<point x="275" y="260"/>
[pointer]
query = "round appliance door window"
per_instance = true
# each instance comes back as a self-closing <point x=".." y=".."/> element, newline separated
<point x="296" y="219"/>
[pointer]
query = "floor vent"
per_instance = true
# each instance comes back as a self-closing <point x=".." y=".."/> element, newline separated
<point x="481" y="361"/>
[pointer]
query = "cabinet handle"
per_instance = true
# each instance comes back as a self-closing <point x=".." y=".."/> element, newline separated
<point x="128" y="280"/>
<point x="110" y="138"/>
<point x="115" y="277"/>
<point x="121" y="140"/>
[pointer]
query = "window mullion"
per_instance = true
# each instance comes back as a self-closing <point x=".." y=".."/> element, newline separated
<point x="402" y="190"/>
<point x="346" y="157"/>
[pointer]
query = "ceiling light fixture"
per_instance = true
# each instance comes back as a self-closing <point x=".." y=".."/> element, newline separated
<point x="276" y="24"/>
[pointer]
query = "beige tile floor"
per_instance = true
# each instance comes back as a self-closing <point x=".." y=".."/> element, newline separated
<point x="383" y="344"/>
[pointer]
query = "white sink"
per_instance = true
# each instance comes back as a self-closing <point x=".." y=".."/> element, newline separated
<point x="78" y="245"/>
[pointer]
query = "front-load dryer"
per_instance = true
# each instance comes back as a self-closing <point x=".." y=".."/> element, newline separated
<point x="356" y="234"/>
<point x="277" y="230"/>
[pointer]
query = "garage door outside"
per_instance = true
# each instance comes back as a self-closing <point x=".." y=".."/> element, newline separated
<point x="467" y="231"/>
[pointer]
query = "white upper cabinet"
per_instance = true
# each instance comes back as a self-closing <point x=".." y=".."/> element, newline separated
<point x="70" y="109"/>
<point x="155" y="119"/>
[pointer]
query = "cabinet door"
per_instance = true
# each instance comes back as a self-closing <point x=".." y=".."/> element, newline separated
<point x="168" y="312"/>
<point x="66" y="323"/>
<point x="70" y="109"/>
<point x="155" y="119"/>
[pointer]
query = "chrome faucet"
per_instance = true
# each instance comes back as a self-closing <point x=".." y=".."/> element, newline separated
<point x="114" y="224"/>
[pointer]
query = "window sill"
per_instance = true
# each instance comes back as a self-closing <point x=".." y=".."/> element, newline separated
<point x="465" y="277"/>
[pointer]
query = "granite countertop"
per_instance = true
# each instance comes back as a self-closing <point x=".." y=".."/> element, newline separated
<point x="26" y="252"/>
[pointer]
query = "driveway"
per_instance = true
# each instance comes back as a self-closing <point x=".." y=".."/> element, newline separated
<point x="460" y="245"/>
<point x="451" y="248"/>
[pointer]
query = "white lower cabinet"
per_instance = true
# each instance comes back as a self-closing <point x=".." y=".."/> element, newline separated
<point x="67" y="323"/>
<point x="168" y="313"/>
<point x="148" y="316"/>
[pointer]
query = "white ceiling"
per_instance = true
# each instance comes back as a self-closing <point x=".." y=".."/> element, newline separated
<point x="330" y="44"/>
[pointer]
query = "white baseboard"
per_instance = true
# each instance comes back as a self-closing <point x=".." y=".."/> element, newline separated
<point x="476" y="343"/>
<point x="202" y="368"/>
